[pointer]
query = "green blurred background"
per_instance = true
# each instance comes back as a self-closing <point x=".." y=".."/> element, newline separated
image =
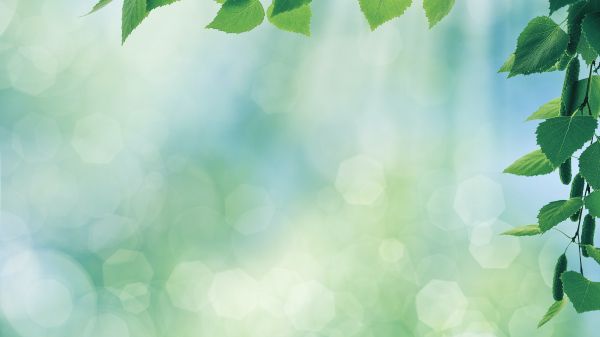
<point x="194" y="183"/>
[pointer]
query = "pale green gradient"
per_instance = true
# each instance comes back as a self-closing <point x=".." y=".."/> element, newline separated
<point x="193" y="183"/>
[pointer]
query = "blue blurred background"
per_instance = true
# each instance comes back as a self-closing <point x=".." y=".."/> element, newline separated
<point x="194" y="183"/>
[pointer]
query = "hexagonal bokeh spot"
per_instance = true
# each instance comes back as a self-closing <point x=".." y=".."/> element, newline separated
<point x="479" y="199"/>
<point x="36" y="138"/>
<point x="522" y="323"/>
<point x="391" y="250"/>
<point x="278" y="282"/>
<point x="441" y="305"/>
<point x="32" y="70"/>
<point x="97" y="139"/>
<point x="310" y="306"/>
<point x="49" y="303"/>
<point x="135" y="297"/>
<point x="249" y="209"/>
<point x="124" y="268"/>
<point x="233" y="294"/>
<point x="360" y="180"/>
<point x="106" y="325"/>
<point x="491" y="250"/>
<point x="188" y="285"/>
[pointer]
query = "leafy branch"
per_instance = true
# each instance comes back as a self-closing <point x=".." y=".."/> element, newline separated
<point x="568" y="123"/>
<point x="239" y="16"/>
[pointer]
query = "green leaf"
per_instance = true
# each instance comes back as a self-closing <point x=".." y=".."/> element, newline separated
<point x="539" y="46"/>
<point x="436" y="10"/>
<point x="532" y="164"/>
<point x="593" y="252"/>
<point x="591" y="30"/>
<point x="587" y="52"/>
<point x="548" y="110"/>
<point x="592" y="203"/>
<point x="152" y="4"/>
<point x="589" y="165"/>
<point x="554" y="310"/>
<point x="593" y="99"/>
<point x="583" y="293"/>
<point x="379" y="12"/>
<point x="508" y="64"/>
<point x="528" y="230"/>
<point x="296" y="20"/>
<point x="557" y="211"/>
<point x="560" y="137"/>
<point x="99" y="6"/>
<point x="238" y="16"/>
<point x="134" y="12"/>
<point x="282" y="6"/>
<point x="558" y="4"/>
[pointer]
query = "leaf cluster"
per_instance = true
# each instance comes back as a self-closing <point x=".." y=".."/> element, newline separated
<point x="239" y="16"/>
<point x="566" y="134"/>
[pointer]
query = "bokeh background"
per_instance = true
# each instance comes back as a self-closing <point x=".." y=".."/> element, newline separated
<point x="194" y="183"/>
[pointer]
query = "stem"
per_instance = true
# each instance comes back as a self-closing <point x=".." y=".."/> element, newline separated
<point x="586" y="99"/>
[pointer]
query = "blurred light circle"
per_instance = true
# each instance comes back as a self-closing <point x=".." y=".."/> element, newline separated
<point x="32" y="70"/>
<point x="54" y="193"/>
<point x="126" y="267"/>
<point x="233" y="294"/>
<point x="441" y="305"/>
<point x="49" y="303"/>
<point x="135" y="297"/>
<point x="276" y="285"/>
<point x="111" y="232"/>
<point x="100" y="192"/>
<point x="438" y="266"/>
<point x="11" y="160"/>
<point x="548" y="255"/>
<point x="522" y="323"/>
<point x="196" y="230"/>
<point x="106" y="325"/>
<point x="490" y="249"/>
<point x="360" y="180"/>
<point x="12" y="228"/>
<point x="97" y="138"/>
<point x="36" y="138"/>
<point x="148" y="200"/>
<point x="310" y="306"/>
<point x="391" y="250"/>
<point x="440" y="209"/>
<point x="188" y="285"/>
<point x="249" y="209"/>
<point x="45" y="293"/>
<point x="7" y="11"/>
<point x="479" y="199"/>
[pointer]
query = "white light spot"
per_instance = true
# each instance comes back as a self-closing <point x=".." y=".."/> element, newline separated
<point x="135" y="297"/>
<point x="126" y="267"/>
<point x="106" y="325"/>
<point x="441" y="305"/>
<point x="492" y="250"/>
<point x="391" y="250"/>
<point x="250" y="209"/>
<point x="479" y="199"/>
<point x="32" y="70"/>
<point x="188" y="285"/>
<point x="49" y="303"/>
<point x="360" y="180"/>
<point x="36" y="138"/>
<point x="97" y="139"/>
<point x="310" y="306"/>
<point x="523" y="323"/>
<point x="233" y="294"/>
